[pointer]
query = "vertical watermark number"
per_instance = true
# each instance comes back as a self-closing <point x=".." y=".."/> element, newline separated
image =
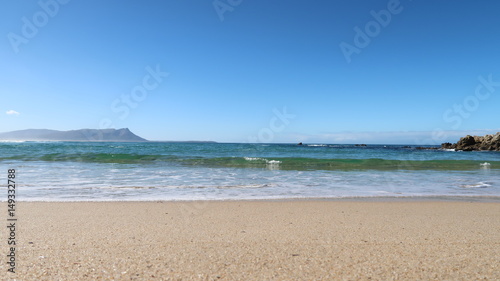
<point x="11" y="220"/>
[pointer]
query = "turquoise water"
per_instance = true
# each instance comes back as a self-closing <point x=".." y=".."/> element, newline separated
<point x="78" y="171"/>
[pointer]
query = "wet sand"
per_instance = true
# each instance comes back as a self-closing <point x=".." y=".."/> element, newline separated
<point x="255" y="240"/>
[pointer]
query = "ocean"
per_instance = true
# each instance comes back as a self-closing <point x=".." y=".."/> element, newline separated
<point x="150" y="171"/>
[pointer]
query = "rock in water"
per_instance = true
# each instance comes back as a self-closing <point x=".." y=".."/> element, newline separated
<point x="471" y="143"/>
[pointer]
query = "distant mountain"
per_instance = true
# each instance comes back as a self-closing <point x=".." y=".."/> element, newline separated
<point x="124" y="135"/>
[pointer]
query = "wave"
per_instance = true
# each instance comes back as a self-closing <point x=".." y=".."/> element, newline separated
<point x="262" y="160"/>
<point x="12" y="141"/>
<point x="477" y="185"/>
<point x="317" y="145"/>
<point x="283" y="163"/>
<point x="122" y="158"/>
<point x="344" y="164"/>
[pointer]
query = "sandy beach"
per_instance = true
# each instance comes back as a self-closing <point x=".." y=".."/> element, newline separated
<point x="256" y="240"/>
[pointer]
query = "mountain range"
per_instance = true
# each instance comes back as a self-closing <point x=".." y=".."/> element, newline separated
<point x="118" y="135"/>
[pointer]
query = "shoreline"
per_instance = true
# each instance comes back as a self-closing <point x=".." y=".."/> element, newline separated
<point x="256" y="240"/>
<point x="426" y="198"/>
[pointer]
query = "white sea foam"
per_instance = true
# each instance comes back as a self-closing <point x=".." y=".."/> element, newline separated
<point x="89" y="181"/>
<point x="252" y="158"/>
<point x="477" y="185"/>
<point x="316" y="145"/>
<point x="7" y="141"/>
<point x="263" y="160"/>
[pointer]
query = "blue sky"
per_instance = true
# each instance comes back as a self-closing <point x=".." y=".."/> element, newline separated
<point x="262" y="71"/>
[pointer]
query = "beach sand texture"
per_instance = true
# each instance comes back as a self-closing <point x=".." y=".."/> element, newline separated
<point x="256" y="240"/>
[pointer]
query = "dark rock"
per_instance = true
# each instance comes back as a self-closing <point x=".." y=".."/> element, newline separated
<point x="447" y="145"/>
<point x="473" y="143"/>
<point x="427" y="148"/>
<point x="466" y="141"/>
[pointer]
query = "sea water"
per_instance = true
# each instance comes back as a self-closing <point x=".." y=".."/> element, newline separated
<point x="145" y="171"/>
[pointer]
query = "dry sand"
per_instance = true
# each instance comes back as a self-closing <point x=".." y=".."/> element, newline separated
<point x="258" y="240"/>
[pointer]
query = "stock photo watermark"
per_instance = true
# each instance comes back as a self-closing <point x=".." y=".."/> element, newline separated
<point x="455" y="115"/>
<point x="11" y="220"/>
<point x="139" y="93"/>
<point x="459" y="112"/>
<point x="32" y="25"/>
<point x="123" y="105"/>
<point x="363" y="36"/>
<point x="223" y="6"/>
<point x="277" y="124"/>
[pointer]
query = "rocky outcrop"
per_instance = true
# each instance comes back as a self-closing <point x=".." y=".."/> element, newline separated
<point x="470" y="143"/>
<point x="118" y="135"/>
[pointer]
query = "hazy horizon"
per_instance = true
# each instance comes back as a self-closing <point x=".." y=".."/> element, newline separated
<point x="342" y="138"/>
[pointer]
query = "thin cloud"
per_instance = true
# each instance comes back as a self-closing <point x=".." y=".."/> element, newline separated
<point x="12" y="112"/>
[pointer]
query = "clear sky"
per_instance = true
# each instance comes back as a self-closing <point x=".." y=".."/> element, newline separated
<point x="263" y="71"/>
